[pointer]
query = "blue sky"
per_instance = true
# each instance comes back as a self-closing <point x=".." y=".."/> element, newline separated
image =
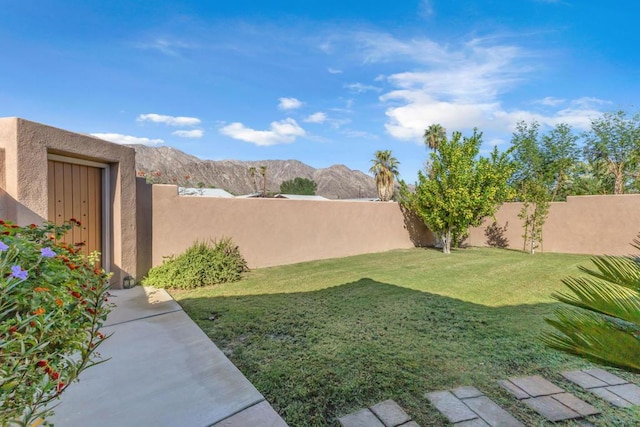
<point x="324" y="82"/>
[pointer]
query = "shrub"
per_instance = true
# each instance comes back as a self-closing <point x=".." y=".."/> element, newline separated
<point x="202" y="264"/>
<point x="52" y="304"/>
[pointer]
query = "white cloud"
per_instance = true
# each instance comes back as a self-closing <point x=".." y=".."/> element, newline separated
<point x="195" y="133"/>
<point x="318" y="117"/>
<point x="127" y="139"/>
<point x="334" y="71"/>
<point x="361" y="88"/>
<point x="282" y="132"/>
<point x="461" y="89"/>
<point x="550" y="101"/>
<point x="289" y="103"/>
<point x="168" y="120"/>
<point x="168" y="47"/>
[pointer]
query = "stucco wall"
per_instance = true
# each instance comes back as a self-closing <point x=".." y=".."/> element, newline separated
<point x="582" y="225"/>
<point x="278" y="231"/>
<point x="26" y="146"/>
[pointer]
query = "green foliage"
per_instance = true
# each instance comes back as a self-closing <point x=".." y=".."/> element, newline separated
<point x="52" y="304"/>
<point x="614" y="143"/>
<point x="543" y="167"/>
<point x="202" y="264"/>
<point x="460" y="189"/>
<point x="303" y="186"/>
<point x="602" y="320"/>
<point x="534" y="212"/>
<point x="384" y="169"/>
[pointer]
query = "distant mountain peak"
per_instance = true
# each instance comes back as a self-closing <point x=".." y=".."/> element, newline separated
<point x="168" y="165"/>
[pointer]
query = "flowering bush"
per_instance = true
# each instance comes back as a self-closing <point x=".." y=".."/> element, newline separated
<point x="53" y="301"/>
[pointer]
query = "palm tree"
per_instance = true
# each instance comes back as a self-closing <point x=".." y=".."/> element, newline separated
<point x="385" y="169"/>
<point x="602" y="320"/>
<point x="263" y="173"/>
<point x="433" y="135"/>
<point x="252" y="173"/>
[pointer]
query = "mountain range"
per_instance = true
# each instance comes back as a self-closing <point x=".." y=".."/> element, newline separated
<point x="167" y="165"/>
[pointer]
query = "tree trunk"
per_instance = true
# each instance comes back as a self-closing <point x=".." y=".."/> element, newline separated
<point x="619" y="185"/>
<point x="446" y="242"/>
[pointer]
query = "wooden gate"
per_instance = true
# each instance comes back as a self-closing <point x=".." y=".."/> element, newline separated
<point x="75" y="191"/>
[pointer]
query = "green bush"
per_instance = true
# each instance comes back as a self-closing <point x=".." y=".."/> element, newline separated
<point x="202" y="264"/>
<point x="52" y="304"/>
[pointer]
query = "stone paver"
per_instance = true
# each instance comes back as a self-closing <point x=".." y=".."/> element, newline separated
<point x="580" y="406"/>
<point x="390" y="413"/>
<point x="536" y="386"/>
<point x="383" y="414"/>
<point x="490" y="412"/>
<point x="468" y="407"/>
<point x="547" y="399"/>
<point x="607" y="386"/>
<point x="362" y="418"/>
<point x="466" y="392"/>
<point x="583" y="379"/>
<point x="451" y="407"/>
<point x="514" y="389"/>
<point x="605" y="376"/>
<point x="629" y="392"/>
<point x="610" y="397"/>
<point x="550" y="408"/>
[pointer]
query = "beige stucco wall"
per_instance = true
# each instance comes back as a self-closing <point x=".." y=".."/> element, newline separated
<point x="582" y="225"/>
<point x="26" y="146"/>
<point x="278" y="231"/>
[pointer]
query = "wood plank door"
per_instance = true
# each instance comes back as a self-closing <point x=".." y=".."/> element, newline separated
<point x="75" y="191"/>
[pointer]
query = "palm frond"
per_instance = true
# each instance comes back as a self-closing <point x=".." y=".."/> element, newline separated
<point x="623" y="271"/>
<point x="595" y="338"/>
<point x="602" y="297"/>
<point x="601" y="321"/>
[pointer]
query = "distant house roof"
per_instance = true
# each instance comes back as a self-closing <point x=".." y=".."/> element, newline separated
<point x="299" y="197"/>
<point x="362" y="199"/>
<point x="204" y="192"/>
<point x="249" y="196"/>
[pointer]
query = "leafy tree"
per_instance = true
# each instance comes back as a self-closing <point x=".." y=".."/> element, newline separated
<point x="385" y="170"/>
<point x="601" y="321"/>
<point x="560" y="155"/>
<point x="544" y="164"/>
<point x="614" y="142"/>
<point x="433" y="135"/>
<point x="299" y="185"/>
<point x="461" y="188"/>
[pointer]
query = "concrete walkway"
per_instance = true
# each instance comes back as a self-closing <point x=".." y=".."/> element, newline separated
<point x="163" y="371"/>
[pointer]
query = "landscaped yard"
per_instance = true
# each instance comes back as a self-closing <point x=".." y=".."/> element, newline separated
<point x="323" y="339"/>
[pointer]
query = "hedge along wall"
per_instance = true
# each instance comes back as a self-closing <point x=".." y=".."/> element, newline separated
<point x="277" y="231"/>
<point x="583" y="225"/>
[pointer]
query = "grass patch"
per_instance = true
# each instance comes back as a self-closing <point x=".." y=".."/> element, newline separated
<point x="323" y="339"/>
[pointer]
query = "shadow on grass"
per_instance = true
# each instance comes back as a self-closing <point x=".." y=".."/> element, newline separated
<point x="322" y="354"/>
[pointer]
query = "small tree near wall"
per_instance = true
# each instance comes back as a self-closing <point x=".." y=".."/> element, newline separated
<point x="460" y="189"/>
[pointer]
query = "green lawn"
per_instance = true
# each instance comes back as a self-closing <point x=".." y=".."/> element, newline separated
<point x="323" y="339"/>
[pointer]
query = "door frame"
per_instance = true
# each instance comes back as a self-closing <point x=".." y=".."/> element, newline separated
<point x="106" y="206"/>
